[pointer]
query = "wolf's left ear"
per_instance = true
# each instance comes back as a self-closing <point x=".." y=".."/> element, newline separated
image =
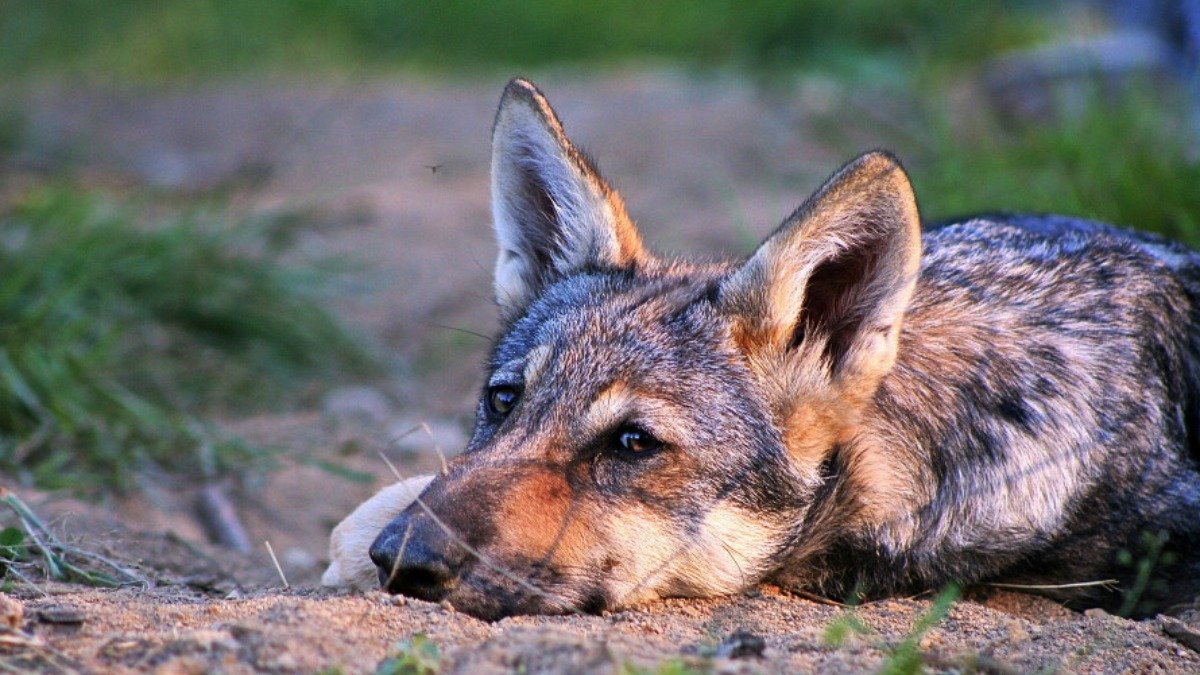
<point x="838" y="273"/>
<point x="552" y="212"/>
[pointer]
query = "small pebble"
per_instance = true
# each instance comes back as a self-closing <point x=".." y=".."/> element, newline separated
<point x="1017" y="632"/>
<point x="1185" y="634"/>
<point x="741" y="644"/>
<point x="61" y="614"/>
<point x="12" y="613"/>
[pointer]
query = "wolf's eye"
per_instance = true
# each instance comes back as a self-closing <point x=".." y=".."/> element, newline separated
<point x="502" y="398"/>
<point x="637" y="441"/>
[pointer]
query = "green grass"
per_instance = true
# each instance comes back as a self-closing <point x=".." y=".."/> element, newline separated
<point x="1127" y="161"/>
<point x="675" y="665"/>
<point x="1148" y="563"/>
<point x="905" y="658"/>
<point x="119" y="337"/>
<point x="149" y="39"/>
<point x="417" y="655"/>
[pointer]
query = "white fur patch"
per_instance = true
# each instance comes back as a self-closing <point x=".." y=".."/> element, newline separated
<point x="350" y="565"/>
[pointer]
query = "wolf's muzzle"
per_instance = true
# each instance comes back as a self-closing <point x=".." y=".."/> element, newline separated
<point x="415" y="557"/>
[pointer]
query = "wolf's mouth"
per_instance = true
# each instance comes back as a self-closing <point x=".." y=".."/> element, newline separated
<point x="490" y="599"/>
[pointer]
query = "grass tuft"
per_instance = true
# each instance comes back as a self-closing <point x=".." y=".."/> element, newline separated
<point x="905" y="658"/>
<point x="417" y="655"/>
<point x="118" y="337"/>
<point x="33" y="545"/>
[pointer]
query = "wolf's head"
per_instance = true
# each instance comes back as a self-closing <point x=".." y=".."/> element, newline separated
<point x="652" y="428"/>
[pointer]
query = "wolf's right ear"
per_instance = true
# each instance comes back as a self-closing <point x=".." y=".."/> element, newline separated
<point x="552" y="212"/>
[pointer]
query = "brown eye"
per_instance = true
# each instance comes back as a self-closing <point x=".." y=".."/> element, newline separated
<point x="637" y="441"/>
<point x="502" y="398"/>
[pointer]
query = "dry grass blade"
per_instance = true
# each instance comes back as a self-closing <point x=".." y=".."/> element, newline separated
<point x="278" y="568"/>
<point x="18" y="643"/>
<point x="1107" y="584"/>
<point x="30" y="583"/>
<point x="399" y="556"/>
<point x="10" y="639"/>
<point x="424" y="426"/>
<point x="819" y="599"/>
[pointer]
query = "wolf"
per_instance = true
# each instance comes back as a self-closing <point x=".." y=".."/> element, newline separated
<point x="858" y="408"/>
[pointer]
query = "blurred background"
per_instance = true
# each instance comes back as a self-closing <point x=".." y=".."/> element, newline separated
<point x="245" y="244"/>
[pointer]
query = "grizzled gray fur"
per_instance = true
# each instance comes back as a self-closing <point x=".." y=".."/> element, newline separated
<point x="858" y="407"/>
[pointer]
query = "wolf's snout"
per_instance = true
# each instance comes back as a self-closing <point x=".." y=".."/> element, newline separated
<point x="415" y="557"/>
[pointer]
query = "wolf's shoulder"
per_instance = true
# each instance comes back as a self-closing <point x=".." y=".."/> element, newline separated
<point x="1052" y="240"/>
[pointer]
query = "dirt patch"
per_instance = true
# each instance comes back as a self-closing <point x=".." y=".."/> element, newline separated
<point x="179" y="630"/>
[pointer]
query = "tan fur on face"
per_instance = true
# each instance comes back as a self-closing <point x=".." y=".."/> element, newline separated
<point x="814" y="411"/>
<point x="610" y="406"/>
<point x="535" y="363"/>
<point x="541" y="520"/>
<point x="350" y="565"/>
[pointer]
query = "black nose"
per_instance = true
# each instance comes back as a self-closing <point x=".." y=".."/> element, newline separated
<point x="417" y="558"/>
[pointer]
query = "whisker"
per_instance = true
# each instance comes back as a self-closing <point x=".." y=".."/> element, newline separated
<point x="405" y="434"/>
<point x="424" y="426"/>
<point x="459" y="330"/>
<point x="399" y="555"/>
<point x="643" y="582"/>
<point x="729" y="552"/>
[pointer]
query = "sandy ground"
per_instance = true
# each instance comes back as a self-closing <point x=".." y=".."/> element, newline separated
<point x="395" y="173"/>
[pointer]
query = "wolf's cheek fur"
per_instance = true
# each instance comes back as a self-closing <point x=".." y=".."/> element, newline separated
<point x="573" y="544"/>
<point x="727" y="551"/>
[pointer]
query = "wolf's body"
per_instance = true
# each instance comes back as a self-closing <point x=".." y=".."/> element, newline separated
<point x="856" y="407"/>
<point x="1044" y="403"/>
